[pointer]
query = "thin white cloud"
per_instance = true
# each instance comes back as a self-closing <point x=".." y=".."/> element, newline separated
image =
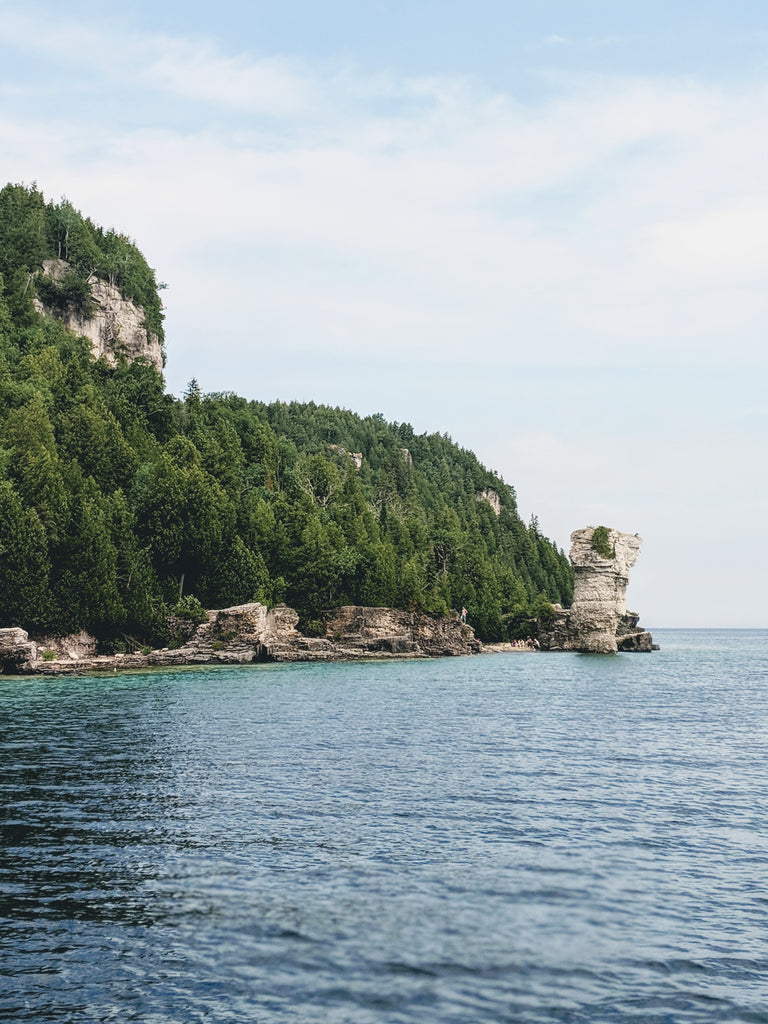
<point x="92" y="46"/>
<point x="199" y="71"/>
<point x="729" y="243"/>
<point x="589" y="42"/>
<point x="597" y="215"/>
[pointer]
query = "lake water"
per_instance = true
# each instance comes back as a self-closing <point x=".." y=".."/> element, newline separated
<point x="525" y="838"/>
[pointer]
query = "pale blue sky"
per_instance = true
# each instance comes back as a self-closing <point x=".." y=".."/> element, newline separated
<point x="541" y="228"/>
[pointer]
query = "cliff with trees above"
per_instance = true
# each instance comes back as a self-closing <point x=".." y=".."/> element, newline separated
<point x="117" y="500"/>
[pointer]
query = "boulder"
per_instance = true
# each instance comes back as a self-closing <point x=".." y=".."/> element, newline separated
<point x="281" y="621"/>
<point x="17" y="651"/>
<point x="243" y="621"/>
<point x="638" y="641"/>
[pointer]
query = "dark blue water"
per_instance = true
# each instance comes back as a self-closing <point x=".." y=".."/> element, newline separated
<point x="504" y="838"/>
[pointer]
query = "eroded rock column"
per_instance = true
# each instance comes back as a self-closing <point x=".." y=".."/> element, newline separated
<point x="601" y="566"/>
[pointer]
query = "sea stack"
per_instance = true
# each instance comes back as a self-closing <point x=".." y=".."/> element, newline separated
<point x="599" y="621"/>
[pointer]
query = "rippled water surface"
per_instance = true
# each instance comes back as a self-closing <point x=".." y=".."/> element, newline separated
<point x="502" y="838"/>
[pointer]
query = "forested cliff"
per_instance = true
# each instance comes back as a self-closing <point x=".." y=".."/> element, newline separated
<point x="116" y="498"/>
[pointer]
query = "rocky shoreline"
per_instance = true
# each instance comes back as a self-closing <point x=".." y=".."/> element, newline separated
<point x="251" y="633"/>
<point x="597" y="622"/>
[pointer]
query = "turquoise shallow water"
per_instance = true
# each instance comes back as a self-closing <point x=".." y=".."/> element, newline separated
<point x="504" y="838"/>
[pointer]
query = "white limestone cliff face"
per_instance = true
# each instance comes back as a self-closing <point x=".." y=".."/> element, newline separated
<point x="356" y="458"/>
<point x="599" y="592"/>
<point x="490" y="497"/>
<point x="116" y="327"/>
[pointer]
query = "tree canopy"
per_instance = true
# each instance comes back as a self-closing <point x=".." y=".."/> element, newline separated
<point x="118" y="500"/>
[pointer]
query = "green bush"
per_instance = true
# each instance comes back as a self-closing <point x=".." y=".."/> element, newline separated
<point x="72" y="292"/>
<point x="189" y="608"/>
<point x="601" y="542"/>
<point x="312" y="627"/>
<point x="113" y="646"/>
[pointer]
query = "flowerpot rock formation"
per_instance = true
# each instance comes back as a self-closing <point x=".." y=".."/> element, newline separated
<point x="598" y="621"/>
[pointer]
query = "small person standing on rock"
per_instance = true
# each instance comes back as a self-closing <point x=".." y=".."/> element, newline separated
<point x="463" y="615"/>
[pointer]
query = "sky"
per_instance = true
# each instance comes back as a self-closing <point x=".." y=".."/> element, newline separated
<point x="539" y="228"/>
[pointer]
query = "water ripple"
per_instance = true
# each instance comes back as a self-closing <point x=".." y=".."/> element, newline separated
<point x="493" y="839"/>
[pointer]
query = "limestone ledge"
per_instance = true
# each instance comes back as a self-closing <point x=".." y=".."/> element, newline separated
<point x="557" y="635"/>
<point x="251" y="633"/>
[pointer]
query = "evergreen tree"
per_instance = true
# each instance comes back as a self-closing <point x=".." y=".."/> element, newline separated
<point x="116" y="499"/>
<point x="24" y="563"/>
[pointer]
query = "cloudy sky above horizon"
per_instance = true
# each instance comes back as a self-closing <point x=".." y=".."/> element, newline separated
<point x="544" y="232"/>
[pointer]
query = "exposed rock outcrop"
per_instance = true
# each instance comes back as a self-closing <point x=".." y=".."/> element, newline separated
<point x="598" y="620"/>
<point x="599" y="589"/>
<point x="631" y="637"/>
<point x="72" y="647"/>
<point x="552" y="632"/>
<point x="16" y="650"/>
<point x="374" y="632"/>
<point x="490" y="497"/>
<point x="356" y="458"/>
<point x="115" y="326"/>
<point x="247" y="633"/>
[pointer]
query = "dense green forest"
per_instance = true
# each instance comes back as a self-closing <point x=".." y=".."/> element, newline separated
<point x="117" y="500"/>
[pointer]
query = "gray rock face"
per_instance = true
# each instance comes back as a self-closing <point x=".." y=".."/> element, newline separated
<point x="359" y="632"/>
<point x="245" y="621"/>
<point x="356" y="458"/>
<point x="117" y="326"/>
<point x="74" y="647"/>
<point x="631" y="637"/>
<point x="17" y="651"/>
<point x="599" y="590"/>
<point x="247" y="633"/>
<point x="598" y="621"/>
<point x="552" y="634"/>
<point x="490" y="497"/>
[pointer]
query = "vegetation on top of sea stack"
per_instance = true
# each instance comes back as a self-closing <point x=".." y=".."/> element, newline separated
<point x="601" y="542"/>
<point x="118" y="500"/>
